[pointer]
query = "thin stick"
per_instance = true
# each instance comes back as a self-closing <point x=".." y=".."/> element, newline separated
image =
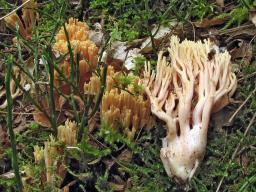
<point x="240" y="107"/>
<point x="17" y="113"/>
<point x="237" y="148"/>
<point x="15" y="10"/>
<point x="9" y="123"/>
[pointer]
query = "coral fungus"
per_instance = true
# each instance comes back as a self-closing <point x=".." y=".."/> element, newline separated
<point x="29" y="16"/>
<point x="68" y="133"/>
<point x="78" y="35"/>
<point x="120" y="107"/>
<point x="183" y="93"/>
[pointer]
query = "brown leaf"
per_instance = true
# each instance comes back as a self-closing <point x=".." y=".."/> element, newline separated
<point x="62" y="170"/>
<point x="119" y="53"/>
<point x="92" y="124"/>
<point x="160" y="33"/>
<point x="246" y="31"/>
<point x="15" y="91"/>
<point x="41" y="119"/>
<point x="205" y="23"/>
<point x="238" y="48"/>
<point x="126" y="156"/>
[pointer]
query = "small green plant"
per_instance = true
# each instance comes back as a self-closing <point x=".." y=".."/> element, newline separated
<point x="200" y="9"/>
<point x="112" y="137"/>
<point x="7" y="185"/>
<point x="238" y="15"/>
<point x="102" y="184"/>
<point x="130" y="19"/>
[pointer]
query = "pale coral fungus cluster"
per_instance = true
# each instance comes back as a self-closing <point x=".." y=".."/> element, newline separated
<point x="68" y="133"/>
<point x="183" y="93"/>
<point x="121" y="109"/>
<point x="52" y="154"/>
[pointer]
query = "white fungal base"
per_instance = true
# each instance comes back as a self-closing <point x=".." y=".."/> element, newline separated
<point x="182" y="155"/>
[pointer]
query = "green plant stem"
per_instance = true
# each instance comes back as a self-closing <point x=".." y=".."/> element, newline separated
<point x="84" y="119"/>
<point x="9" y="123"/>
<point x="72" y="74"/>
<point x="51" y="96"/>
<point x="102" y="89"/>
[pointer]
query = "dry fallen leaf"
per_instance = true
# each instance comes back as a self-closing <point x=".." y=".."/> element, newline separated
<point x="239" y="48"/>
<point x="20" y="122"/>
<point x="205" y="23"/>
<point x="126" y="156"/>
<point x="41" y="119"/>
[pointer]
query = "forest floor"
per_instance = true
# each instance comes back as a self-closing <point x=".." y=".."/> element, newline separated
<point x="109" y="159"/>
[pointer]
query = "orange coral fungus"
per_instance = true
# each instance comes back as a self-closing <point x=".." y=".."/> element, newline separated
<point x="121" y="108"/>
<point x="28" y="16"/>
<point x="78" y="34"/>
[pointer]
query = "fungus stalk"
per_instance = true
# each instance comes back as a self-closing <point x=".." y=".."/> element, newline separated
<point x="183" y="93"/>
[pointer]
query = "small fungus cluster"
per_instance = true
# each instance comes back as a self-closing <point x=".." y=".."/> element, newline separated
<point x="82" y="47"/>
<point x="52" y="154"/>
<point x="119" y="107"/>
